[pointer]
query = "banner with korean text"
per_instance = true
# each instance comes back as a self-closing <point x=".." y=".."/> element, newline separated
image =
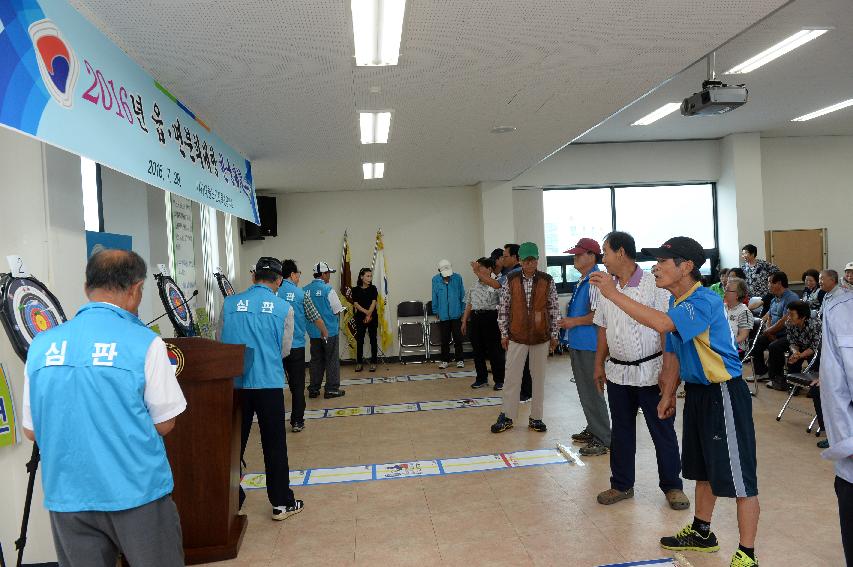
<point x="63" y="82"/>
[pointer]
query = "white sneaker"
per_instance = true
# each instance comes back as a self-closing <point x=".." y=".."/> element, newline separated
<point x="460" y="364"/>
<point x="442" y="365"/>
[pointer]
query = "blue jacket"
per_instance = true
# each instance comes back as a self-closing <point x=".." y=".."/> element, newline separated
<point x="448" y="299"/>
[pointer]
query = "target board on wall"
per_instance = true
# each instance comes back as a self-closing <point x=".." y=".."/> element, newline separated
<point x="224" y="285"/>
<point x="176" y="305"/>
<point x="27" y="309"/>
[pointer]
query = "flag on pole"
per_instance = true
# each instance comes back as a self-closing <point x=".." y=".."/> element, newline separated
<point x="346" y="292"/>
<point x="380" y="279"/>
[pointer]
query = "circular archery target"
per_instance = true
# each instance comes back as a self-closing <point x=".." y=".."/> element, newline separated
<point x="176" y="306"/>
<point x="224" y="285"/>
<point x="27" y="308"/>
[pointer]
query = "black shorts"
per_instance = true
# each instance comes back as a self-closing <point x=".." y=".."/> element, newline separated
<point x="718" y="440"/>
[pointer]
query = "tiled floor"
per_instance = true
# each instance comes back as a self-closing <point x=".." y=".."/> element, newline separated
<point x="535" y="516"/>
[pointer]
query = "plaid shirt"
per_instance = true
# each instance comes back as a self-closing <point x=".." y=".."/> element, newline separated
<point x="553" y="306"/>
<point x="482" y="297"/>
<point x="756" y="277"/>
<point x="311" y="312"/>
<point x="806" y="336"/>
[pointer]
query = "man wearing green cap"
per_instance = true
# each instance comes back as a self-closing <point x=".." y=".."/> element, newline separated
<point x="528" y="318"/>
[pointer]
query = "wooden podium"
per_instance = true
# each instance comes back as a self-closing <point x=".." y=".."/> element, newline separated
<point x="204" y="449"/>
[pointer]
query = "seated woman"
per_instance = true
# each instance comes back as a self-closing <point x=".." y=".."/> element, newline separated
<point x="812" y="294"/>
<point x="720" y="287"/>
<point x="803" y="333"/>
<point x="739" y="315"/>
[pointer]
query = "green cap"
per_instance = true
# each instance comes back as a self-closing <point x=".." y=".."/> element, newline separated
<point x="528" y="250"/>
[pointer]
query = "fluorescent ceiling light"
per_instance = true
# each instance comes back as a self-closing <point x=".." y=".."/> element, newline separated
<point x="374" y="126"/>
<point x="377" y="26"/>
<point x="822" y="111"/>
<point x="373" y="170"/>
<point x="778" y="50"/>
<point x="664" y="110"/>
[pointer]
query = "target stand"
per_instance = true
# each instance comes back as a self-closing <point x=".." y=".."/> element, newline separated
<point x="176" y="305"/>
<point x="224" y="285"/>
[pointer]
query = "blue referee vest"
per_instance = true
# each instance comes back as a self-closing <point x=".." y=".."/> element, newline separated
<point x="295" y="296"/>
<point x="255" y="318"/>
<point x="319" y="292"/>
<point x="99" y="447"/>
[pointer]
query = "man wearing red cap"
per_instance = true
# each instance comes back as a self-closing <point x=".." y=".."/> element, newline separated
<point x="583" y="341"/>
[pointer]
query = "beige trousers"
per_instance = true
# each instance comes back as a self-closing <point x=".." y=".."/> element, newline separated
<point x="516" y="354"/>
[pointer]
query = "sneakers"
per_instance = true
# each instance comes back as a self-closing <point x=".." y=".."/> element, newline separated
<point x="284" y="512"/>
<point x="524" y="399"/>
<point x="594" y="448"/>
<point x="773" y="385"/>
<point x="502" y="424"/>
<point x="677" y="499"/>
<point x="612" y="496"/>
<point x="823" y="444"/>
<point x="373" y="368"/>
<point x="313" y="393"/>
<point x="359" y="367"/>
<point x="584" y="436"/>
<point x="442" y="365"/>
<point x="460" y="364"/>
<point x="537" y="425"/>
<point x="499" y="387"/>
<point x="477" y="385"/>
<point x="329" y="394"/>
<point x="689" y="539"/>
<point x="297" y="427"/>
<point x="741" y="559"/>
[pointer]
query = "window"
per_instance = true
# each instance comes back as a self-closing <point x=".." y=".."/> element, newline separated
<point x="650" y="213"/>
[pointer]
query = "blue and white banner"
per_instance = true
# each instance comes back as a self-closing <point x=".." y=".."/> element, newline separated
<point x="63" y="82"/>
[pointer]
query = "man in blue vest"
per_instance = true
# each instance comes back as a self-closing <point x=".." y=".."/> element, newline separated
<point x="107" y="481"/>
<point x="262" y="321"/>
<point x="294" y="365"/>
<point x="325" y="358"/>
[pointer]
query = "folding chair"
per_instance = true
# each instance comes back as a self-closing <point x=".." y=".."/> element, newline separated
<point x="411" y="333"/>
<point x="757" y="327"/>
<point x="799" y="380"/>
<point x="433" y="331"/>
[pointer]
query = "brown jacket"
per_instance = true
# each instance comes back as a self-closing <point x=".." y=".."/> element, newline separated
<point x="529" y="325"/>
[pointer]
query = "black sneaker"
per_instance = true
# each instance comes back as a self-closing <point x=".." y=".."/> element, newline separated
<point x="537" y="425"/>
<point x="284" y="512"/>
<point x="298" y="426"/>
<point x="502" y="424"/>
<point x="499" y="387"/>
<point x="313" y="393"/>
<point x="524" y="399"/>
<point x="329" y="394"/>
<point x="689" y="539"/>
<point x="478" y="385"/>
<point x="594" y="448"/>
<point x="584" y="436"/>
<point x="359" y="367"/>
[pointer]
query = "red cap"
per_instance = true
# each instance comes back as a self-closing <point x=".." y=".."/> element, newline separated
<point x="583" y="246"/>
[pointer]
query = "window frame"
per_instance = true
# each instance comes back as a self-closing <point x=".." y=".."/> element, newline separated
<point x="567" y="261"/>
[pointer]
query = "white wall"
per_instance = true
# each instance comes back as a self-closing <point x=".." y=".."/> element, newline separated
<point x="807" y="184"/>
<point x="420" y="227"/>
<point x="740" y="189"/>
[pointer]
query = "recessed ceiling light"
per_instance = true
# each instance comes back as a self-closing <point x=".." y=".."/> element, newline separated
<point x="373" y="170"/>
<point x="503" y="129"/>
<point x="374" y="127"/>
<point x="822" y="111"/>
<point x="664" y="110"/>
<point x="788" y="44"/>
<point x="377" y="27"/>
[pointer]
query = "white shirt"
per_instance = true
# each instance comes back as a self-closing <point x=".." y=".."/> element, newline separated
<point x="163" y="396"/>
<point x="626" y="339"/>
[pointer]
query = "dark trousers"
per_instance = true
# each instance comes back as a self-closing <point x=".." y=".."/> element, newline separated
<point x="486" y="340"/>
<point x="526" y="381"/>
<point x="775" y="358"/>
<point x="370" y="329"/>
<point x="294" y="369"/>
<point x="451" y="327"/>
<point x="814" y="394"/>
<point x="268" y="403"/>
<point x="844" y="492"/>
<point x="325" y="360"/>
<point x="624" y="403"/>
<point x="765" y="304"/>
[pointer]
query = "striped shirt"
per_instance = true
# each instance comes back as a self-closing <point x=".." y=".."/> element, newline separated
<point x="628" y="340"/>
<point x="740" y="317"/>
<point x="482" y="297"/>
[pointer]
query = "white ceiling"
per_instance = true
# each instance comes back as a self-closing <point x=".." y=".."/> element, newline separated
<point x="811" y="77"/>
<point x="277" y="80"/>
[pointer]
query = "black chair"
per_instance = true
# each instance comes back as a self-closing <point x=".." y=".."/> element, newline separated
<point x="757" y="327"/>
<point x="797" y="380"/>
<point x="411" y="332"/>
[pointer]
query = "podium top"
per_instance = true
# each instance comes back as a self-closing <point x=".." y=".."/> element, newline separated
<point x="204" y="359"/>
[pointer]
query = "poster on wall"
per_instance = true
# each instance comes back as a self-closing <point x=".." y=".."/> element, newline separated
<point x="183" y="252"/>
<point x="63" y="82"/>
<point x="8" y="429"/>
<point x="97" y="241"/>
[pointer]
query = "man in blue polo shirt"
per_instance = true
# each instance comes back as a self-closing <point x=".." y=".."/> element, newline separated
<point x="99" y="394"/>
<point x="582" y="342"/>
<point x="718" y="438"/>
<point x="262" y="321"/>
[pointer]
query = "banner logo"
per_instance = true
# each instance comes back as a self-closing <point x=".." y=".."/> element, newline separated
<point x="56" y="61"/>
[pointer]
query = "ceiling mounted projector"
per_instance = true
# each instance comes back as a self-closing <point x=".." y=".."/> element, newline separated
<point x="714" y="98"/>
